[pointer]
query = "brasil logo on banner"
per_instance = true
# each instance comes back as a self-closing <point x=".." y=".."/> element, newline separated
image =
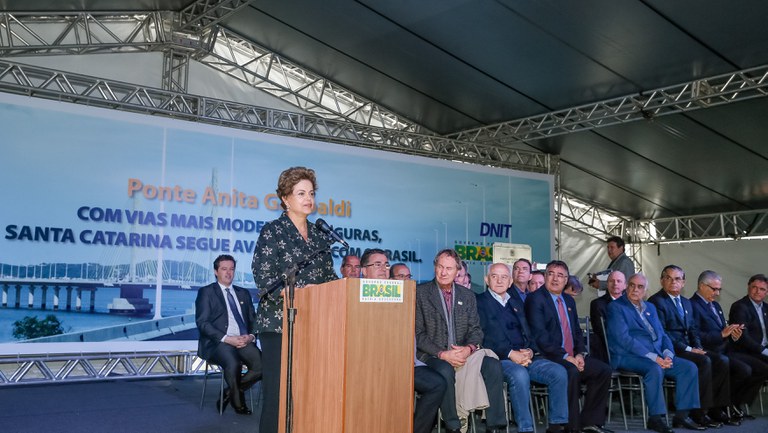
<point x="381" y="290"/>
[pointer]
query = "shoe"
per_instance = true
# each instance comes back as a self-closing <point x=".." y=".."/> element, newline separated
<point x="686" y="422"/>
<point x="722" y="417"/>
<point x="222" y="404"/>
<point x="706" y="421"/>
<point x="596" y="429"/>
<point x="659" y="425"/>
<point x="242" y="410"/>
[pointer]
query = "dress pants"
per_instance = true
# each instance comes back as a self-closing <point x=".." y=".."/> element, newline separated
<point x="271" y="355"/>
<point x="597" y="377"/>
<point x="231" y="361"/>
<point x="519" y="390"/>
<point x="746" y="384"/>
<point x="494" y="384"/>
<point x="682" y="371"/>
<point x="431" y="388"/>
<point x="714" y="373"/>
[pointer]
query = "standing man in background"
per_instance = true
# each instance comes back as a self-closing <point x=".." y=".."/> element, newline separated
<point x="619" y="262"/>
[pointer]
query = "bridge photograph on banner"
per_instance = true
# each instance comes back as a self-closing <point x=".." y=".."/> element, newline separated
<point x="111" y="220"/>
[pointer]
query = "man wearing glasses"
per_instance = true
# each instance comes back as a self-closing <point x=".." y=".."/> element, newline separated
<point x="716" y="334"/>
<point x="554" y="323"/>
<point x="350" y="267"/>
<point x="448" y="333"/>
<point x="676" y="315"/>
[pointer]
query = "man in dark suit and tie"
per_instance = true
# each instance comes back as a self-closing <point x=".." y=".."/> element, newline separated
<point x="751" y="312"/>
<point x="224" y="315"/>
<point x="676" y="315"/>
<point x="716" y="336"/>
<point x="617" y="283"/>
<point x="448" y="332"/>
<point x="553" y="320"/>
<point x="637" y="343"/>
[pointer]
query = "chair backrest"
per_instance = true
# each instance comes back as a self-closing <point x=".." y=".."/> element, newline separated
<point x="584" y="325"/>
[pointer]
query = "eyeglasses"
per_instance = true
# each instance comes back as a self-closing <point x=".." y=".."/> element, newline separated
<point x="378" y="265"/>
<point x="551" y="274"/>
<point x="403" y="276"/>
<point x="714" y="289"/>
<point x="351" y="266"/>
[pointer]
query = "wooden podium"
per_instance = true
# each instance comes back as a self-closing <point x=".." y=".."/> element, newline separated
<point x="352" y="360"/>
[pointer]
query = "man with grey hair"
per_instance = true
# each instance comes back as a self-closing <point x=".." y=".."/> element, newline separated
<point x="448" y="332"/>
<point x="637" y="343"/>
<point x="716" y="334"/>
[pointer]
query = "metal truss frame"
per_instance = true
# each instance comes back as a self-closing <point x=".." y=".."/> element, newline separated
<point x="38" y="369"/>
<point x="194" y="31"/>
<point x="702" y="93"/>
<point x="710" y="227"/>
<point x="82" y="89"/>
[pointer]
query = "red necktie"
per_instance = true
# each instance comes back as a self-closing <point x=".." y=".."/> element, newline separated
<point x="567" y="337"/>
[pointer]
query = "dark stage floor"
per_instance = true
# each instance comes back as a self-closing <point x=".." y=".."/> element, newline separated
<point x="164" y="405"/>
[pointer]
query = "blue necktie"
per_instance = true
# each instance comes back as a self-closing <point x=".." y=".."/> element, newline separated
<point x="236" y="313"/>
<point x="679" y="308"/>
<point x="717" y="316"/>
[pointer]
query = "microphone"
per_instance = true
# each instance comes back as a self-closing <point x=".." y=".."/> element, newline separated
<point x="325" y="228"/>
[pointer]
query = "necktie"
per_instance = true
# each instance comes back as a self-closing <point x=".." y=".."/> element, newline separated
<point x="679" y="308"/>
<point x="566" y="327"/>
<point x="236" y="313"/>
<point x="717" y="316"/>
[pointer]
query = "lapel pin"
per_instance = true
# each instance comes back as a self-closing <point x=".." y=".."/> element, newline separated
<point x="459" y="302"/>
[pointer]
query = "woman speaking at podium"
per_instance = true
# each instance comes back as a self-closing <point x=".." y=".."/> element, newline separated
<point x="284" y="243"/>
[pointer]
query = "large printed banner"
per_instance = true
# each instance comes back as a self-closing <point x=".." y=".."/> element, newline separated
<point x="106" y="200"/>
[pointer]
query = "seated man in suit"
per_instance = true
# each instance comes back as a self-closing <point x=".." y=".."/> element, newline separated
<point x="676" y="315"/>
<point x="506" y="331"/>
<point x="715" y="336"/>
<point x="553" y="319"/>
<point x="225" y="316"/>
<point x="597" y="310"/>
<point x="637" y="343"/>
<point x="752" y="313"/>
<point x="430" y="385"/>
<point x="448" y="333"/>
